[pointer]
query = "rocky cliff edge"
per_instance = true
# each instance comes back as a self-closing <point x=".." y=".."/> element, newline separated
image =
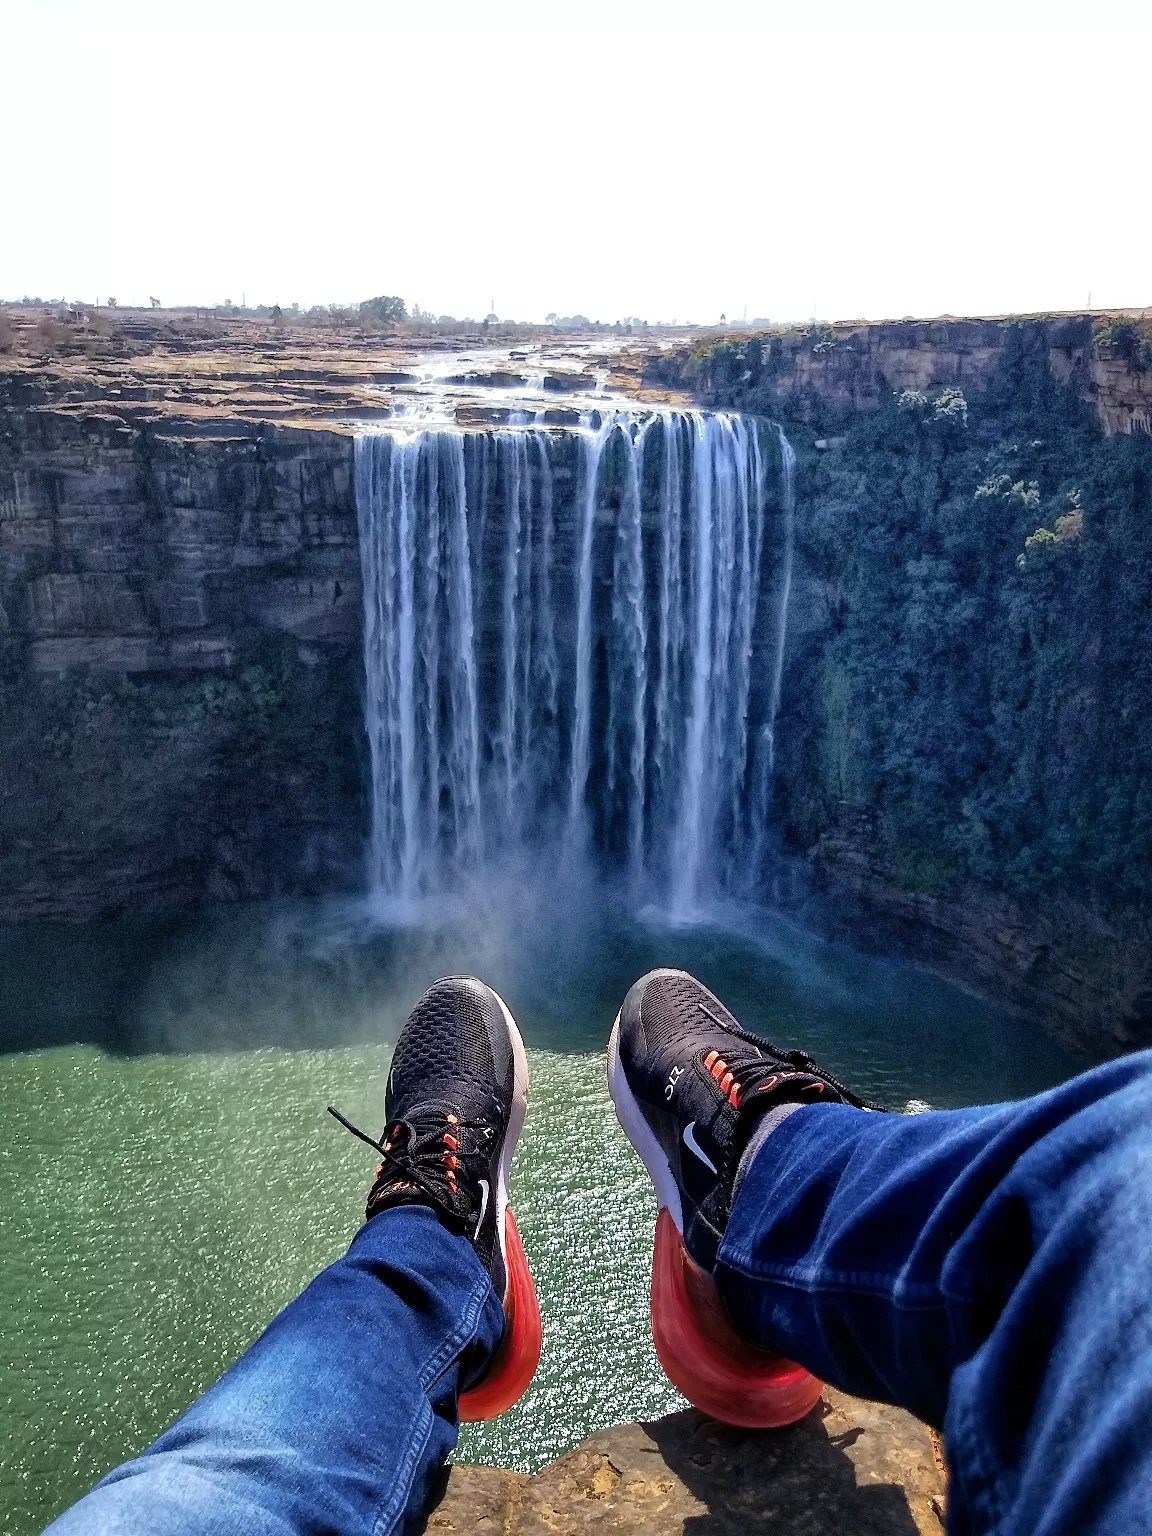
<point x="849" y="1469"/>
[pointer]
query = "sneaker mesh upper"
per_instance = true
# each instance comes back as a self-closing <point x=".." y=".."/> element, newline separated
<point x="671" y="1002"/>
<point x="450" y="1030"/>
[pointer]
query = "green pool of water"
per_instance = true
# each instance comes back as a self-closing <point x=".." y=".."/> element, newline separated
<point x="171" y="1181"/>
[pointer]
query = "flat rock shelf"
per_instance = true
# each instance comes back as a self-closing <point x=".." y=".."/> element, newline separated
<point x="850" y="1468"/>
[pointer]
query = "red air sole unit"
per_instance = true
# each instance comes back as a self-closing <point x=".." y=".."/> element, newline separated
<point x="514" y="1363"/>
<point x="705" y="1358"/>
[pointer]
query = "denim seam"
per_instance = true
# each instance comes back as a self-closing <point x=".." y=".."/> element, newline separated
<point x="813" y="1281"/>
<point x="395" y="1506"/>
<point x="434" y="1366"/>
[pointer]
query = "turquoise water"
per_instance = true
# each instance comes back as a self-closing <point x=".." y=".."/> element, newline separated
<point x="171" y="1179"/>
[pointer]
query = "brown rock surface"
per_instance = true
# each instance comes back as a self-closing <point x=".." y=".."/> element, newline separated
<point x="477" y="1499"/>
<point x="180" y="660"/>
<point x="850" y="367"/>
<point x="850" y="1468"/>
<point x="186" y="378"/>
<point x="180" y="618"/>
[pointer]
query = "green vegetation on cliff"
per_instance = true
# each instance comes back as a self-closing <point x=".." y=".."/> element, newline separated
<point x="981" y="662"/>
<point x="970" y="672"/>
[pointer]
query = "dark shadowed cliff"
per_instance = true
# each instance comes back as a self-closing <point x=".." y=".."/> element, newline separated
<point x="965" y="741"/>
<point x="179" y="664"/>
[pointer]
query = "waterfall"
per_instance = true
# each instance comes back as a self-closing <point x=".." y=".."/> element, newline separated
<point x="421" y="690"/>
<point x="788" y="500"/>
<point x="592" y="450"/>
<point x="574" y="641"/>
<point x="764" y="757"/>
<point x="628" y="672"/>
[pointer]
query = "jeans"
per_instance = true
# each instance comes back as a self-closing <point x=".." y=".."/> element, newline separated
<point x="986" y="1268"/>
<point x="339" y="1417"/>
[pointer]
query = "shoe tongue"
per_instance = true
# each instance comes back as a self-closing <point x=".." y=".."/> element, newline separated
<point x="747" y="1063"/>
<point x="754" y="1073"/>
<point x="773" y="1082"/>
<point x="422" y="1128"/>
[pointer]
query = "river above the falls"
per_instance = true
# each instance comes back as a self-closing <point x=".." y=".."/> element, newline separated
<point x="171" y="1178"/>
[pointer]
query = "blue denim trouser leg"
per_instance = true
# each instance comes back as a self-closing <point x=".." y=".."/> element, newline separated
<point x="989" y="1269"/>
<point x="339" y="1417"/>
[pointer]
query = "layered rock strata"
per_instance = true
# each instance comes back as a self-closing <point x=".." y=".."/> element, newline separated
<point x="180" y="662"/>
<point x="180" y="621"/>
<point x="1084" y="972"/>
<point x="829" y="373"/>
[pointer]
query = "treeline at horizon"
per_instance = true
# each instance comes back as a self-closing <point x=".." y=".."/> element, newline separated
<point x="385" y="312"/>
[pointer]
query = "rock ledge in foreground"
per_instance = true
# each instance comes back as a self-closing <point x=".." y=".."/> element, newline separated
<point x="850" y="1468"/>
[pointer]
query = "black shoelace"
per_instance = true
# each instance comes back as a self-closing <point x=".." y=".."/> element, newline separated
<point x="420" y="1159"/>
<point x="800" y="1060"/>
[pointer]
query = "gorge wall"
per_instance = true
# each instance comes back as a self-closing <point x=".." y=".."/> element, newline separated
<point x="962" y="754"/>
<point x="180" y="662"/>
<point x="965" y="744"/>
<point x="825" y="374"/>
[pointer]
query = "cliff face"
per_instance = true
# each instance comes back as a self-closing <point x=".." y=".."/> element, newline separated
<point x="181" y="672"/>
<point x="1079" y="966"/>
<point x="828" y="374"/>
<point x="964" y="750"/>
<point x="965" y="754"/>
<point x="179" y="661"/>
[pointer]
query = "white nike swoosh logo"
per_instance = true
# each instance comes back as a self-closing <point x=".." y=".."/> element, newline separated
<point x="693" y="1146"/>
<point x="483" y="1183"/>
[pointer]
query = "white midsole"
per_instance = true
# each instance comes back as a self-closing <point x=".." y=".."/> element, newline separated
<point x="641" y="1134"/>
<point x="515" y="1126"/>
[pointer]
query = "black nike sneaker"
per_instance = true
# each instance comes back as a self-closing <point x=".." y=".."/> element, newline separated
<point x="454" y="1109"/>
<point x="689" y="1084"/>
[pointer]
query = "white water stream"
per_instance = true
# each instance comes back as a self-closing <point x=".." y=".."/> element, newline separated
<point x="574" y="644"/>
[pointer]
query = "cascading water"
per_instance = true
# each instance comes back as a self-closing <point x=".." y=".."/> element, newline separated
<point x="763" y="766"/>
<point x="591" y="452"/>
<point x="574" y="641"/>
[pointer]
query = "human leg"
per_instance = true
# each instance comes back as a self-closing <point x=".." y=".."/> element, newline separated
<point x="986" y="1268"/>
<point x="339" y="1417"/>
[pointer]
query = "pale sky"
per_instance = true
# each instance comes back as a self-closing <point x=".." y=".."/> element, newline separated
<point x="630" y="158"/>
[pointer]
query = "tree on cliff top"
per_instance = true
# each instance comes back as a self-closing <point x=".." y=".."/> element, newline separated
<point x="385" y="309"/>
